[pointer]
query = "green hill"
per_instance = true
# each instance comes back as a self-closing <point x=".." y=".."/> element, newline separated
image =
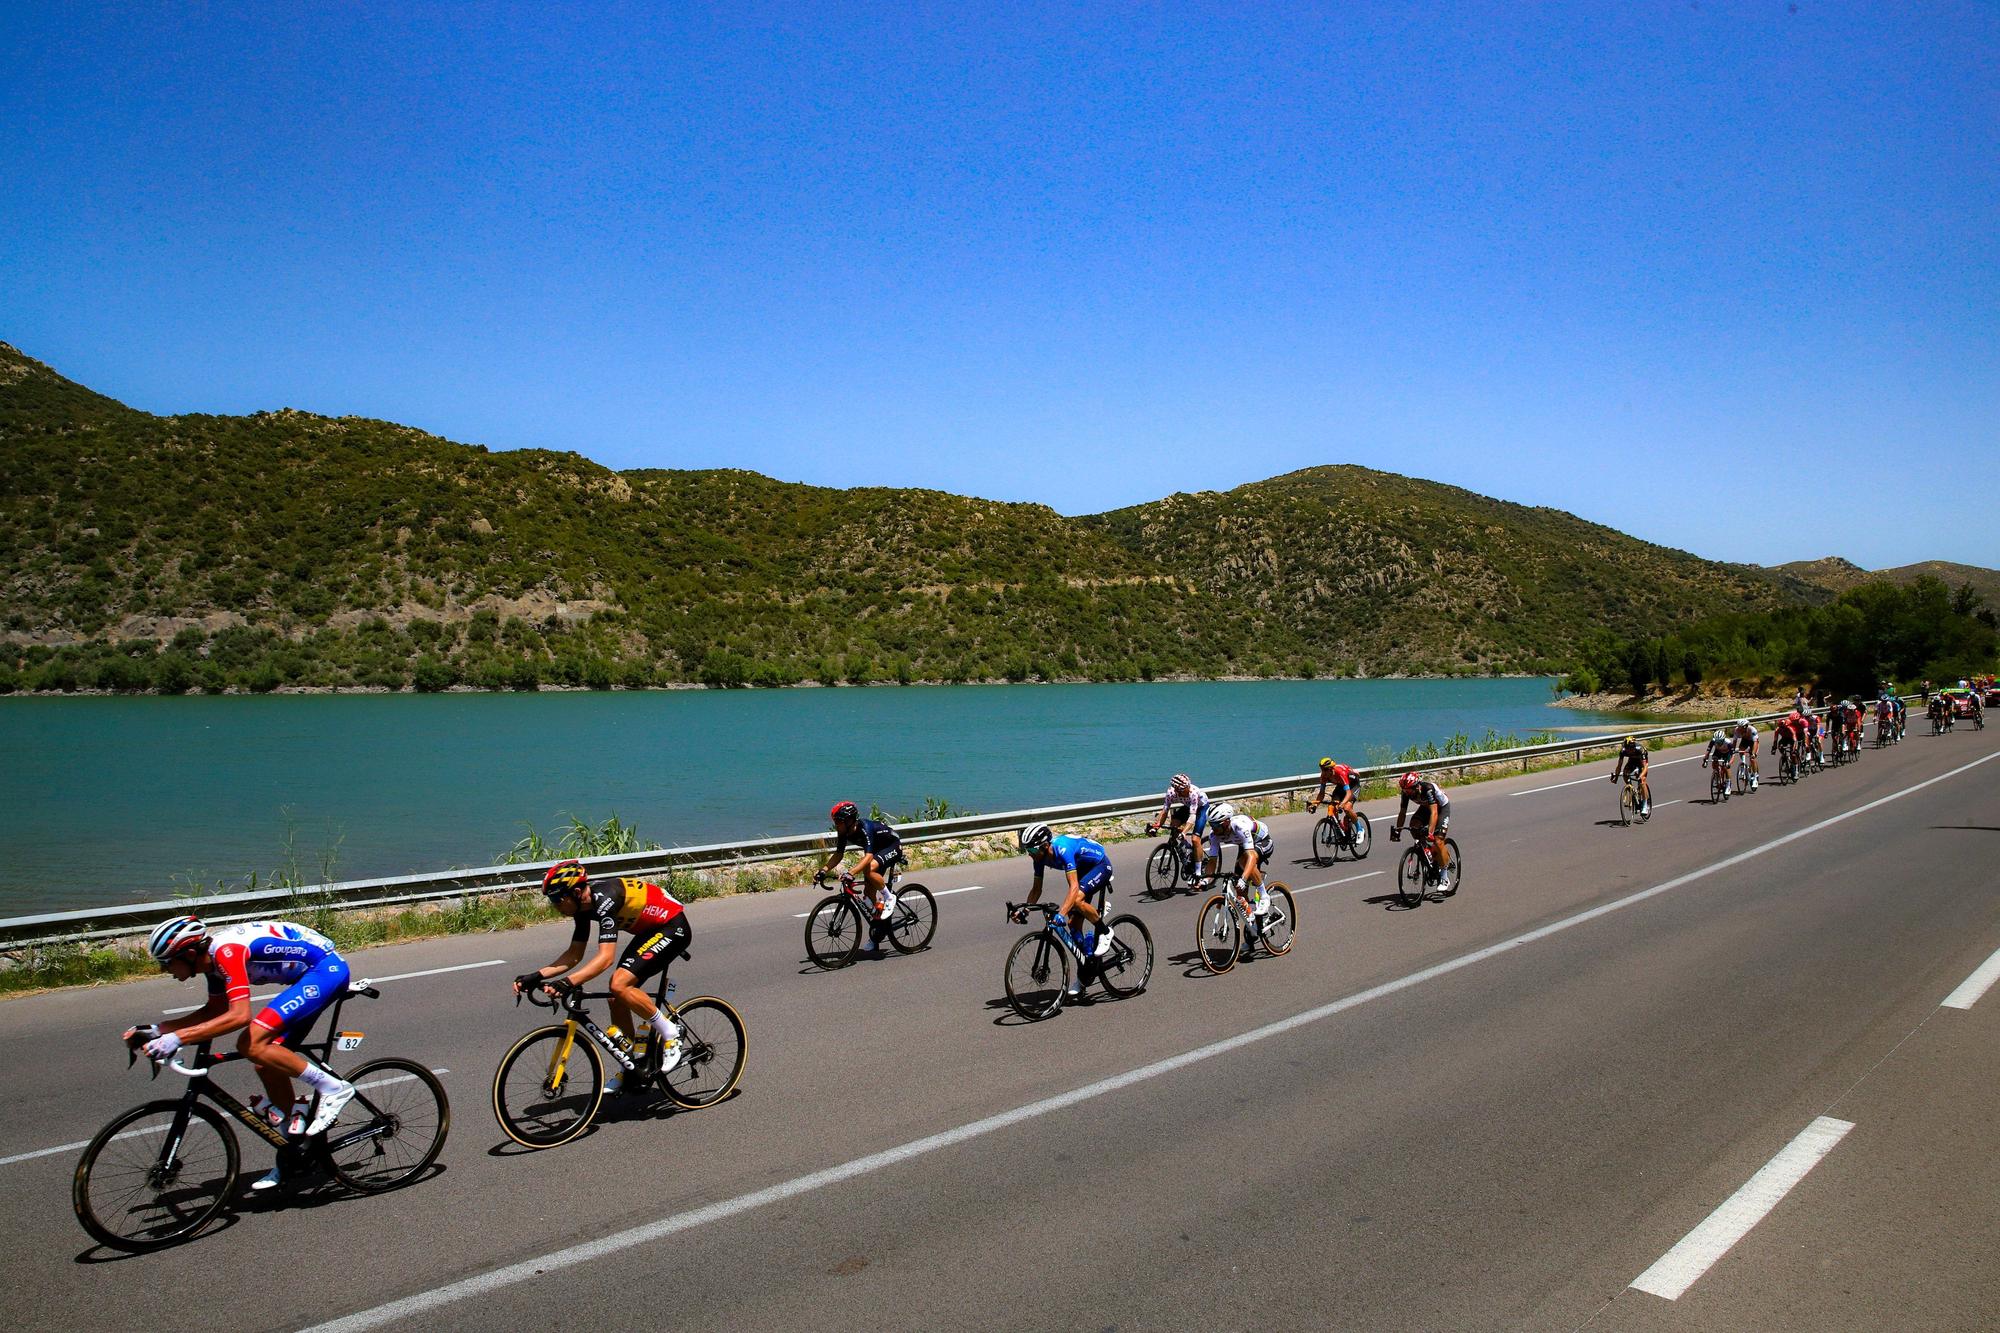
<point x="285" y="548"/>
<point x="1838" y="575"/>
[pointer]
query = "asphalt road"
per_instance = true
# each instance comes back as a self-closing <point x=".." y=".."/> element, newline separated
<point x="1496" y="1111"/>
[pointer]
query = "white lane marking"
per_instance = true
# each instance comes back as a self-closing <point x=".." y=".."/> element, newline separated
<point x="160" y="1129"/>
<point x="1661" y="805"/>
<point x="591" y="1251"/>
<point x="400" y="976"/>
<point x="1366" y="874"/>
<point x="935" y="893"/>
<point x="1682" y="1266"/>
<point x="1664" y="763"/>
<point x="1976" y="985"/>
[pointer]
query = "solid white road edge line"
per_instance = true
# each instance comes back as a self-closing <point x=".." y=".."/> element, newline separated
<point x="1976" y="985"/>
<point x="1664" y="763"/>
<point x="400" y="976"/>
<point x="134" y="1133"/>
<point x="1682" y="1266"/>
<point x="591" y="1251"/>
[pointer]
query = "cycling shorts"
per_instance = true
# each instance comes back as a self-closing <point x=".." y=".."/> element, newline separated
<point x="293" y="1009"/>
<point x="650" y="951"/>
<point x="1421" y="823"/>
<point x="1095" y="883"/>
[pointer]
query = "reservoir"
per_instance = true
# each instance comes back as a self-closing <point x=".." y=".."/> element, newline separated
<point x="138" y="798"/>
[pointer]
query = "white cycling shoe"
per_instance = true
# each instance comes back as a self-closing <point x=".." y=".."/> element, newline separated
<point x="1103" y="943"/>
<point x="270" y="1180"/>
<point x="331" y="1104"/>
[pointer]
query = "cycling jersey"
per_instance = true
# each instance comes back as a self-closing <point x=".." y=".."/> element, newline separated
<point x="1244" y="834"/>
<point x="266" y="952"/>
<point x="1719" y="752"/>
<point x="1196" y="802"/>
<point x="1426" y="794"/>
<point x="1632" y="755"/>
<point x="1086" y="857"/>
<point x="635" y="904"/>
<point x="1746" y="737"/>
<point x="1340" y="780"/>
<point x="874" y="837"/>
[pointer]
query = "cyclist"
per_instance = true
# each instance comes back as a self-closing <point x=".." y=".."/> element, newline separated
<point x="1885" y="715"/>
<point x="1788" y="737"/>
<point x="1432" y="818"/>
<point x="1717" y="756"/>
<point x="233" y="958"/>
<point x="1184" y="811"/>
<point x="881" y="852"/>
<point x="1337" y="785"/>
<point x="1087" y="867"/>
<point x="1633" y="761"/>
<point x="660" y="934"/>
<point x="1746" y="743"/>
<point x="1852" y="725"/>
<point x="1815" y="748"/>
<point x="1254" y="846"/>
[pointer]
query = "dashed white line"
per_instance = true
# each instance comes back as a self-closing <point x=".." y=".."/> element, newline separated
<point x="1366" y="874"/>
<point x="1578" y="782"/>
<point x="1976" y="985"/>
<point x="618" y="1242"/>
<point x="1682" y="1266"/>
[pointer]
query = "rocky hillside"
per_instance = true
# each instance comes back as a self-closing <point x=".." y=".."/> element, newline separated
<point x="285" y="548"/>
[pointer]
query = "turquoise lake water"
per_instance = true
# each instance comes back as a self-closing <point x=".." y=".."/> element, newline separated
<point x="139" y="798"/>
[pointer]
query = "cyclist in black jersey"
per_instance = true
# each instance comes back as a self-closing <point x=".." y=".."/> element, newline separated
<point x="881" y="852"/>
<point x="1632" y="759"/>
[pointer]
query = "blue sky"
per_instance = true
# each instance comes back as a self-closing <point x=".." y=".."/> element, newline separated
<point x="1665" y="265"/>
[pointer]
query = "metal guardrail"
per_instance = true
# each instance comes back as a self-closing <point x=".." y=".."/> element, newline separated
<point x="118" y="920"/>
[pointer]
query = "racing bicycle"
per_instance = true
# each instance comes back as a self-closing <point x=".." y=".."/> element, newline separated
<point x="1630" y="806"/>
<point x="1333" y="835"/>
<point x="1176" y="861"/>
<point x="550" y="1085"/>
<point x="1418" y="873"/>
<point x="836" y="927"/>
<point x="1040" y="963"/>
<point x="163" y="1171"/>
<point x="1227" y="931"/>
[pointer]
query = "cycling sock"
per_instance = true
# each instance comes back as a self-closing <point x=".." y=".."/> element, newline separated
<point x="320" y="1081"/>
<point x="667" y="1029"/>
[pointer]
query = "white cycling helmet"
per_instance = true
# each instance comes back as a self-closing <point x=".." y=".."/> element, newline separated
<point x="1036" y="835"/>
<point x="1720" y="735"/>
<point x="170" y="937"/>
<point x="1221" y="812"/>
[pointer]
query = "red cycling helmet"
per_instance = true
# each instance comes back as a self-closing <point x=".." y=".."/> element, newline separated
<point x="1407" y="783"/>
<point x="565" y="877"/>
<point x="844" y="810"/>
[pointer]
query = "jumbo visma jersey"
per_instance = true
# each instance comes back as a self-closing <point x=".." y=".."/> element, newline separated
<point x="635" y="904"/>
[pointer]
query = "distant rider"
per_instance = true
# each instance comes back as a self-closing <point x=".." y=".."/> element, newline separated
<point x="881" y="852"/>
<point x="1633" y="761"/>
<point x="1746" y="743"/>
<point x="1432" y="818"/>
<point x="1720" y="750"/>
<point x="1337" y="785"/>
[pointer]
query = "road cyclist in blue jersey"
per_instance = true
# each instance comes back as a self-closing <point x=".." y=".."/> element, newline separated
<point x="1086" y="868"/>
<point x="232" y="959"/>
<point x="881" y="853"/>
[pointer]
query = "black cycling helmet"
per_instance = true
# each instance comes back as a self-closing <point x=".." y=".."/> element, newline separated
<point x="845" y="810"/>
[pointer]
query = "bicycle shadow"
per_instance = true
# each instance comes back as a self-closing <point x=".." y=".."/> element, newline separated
<point x="1010" y="1018"/>
<point x="1393" y="902"/>
<point x="1191" y="965"/>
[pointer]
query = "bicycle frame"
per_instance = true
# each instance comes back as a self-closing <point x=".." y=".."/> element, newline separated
<point x="576" y="1016"/>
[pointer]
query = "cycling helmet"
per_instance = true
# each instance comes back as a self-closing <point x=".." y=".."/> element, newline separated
<point x="1221" y="812"/>
<point x="1630" y="740"/>
<point x="844" y="810"/>
<point x="565" y="877"/>
<point x="1181" y="785"/>
<point x="170" y="937"/>
<point x="1407" y="783"/>
<point x="1326" y="762"/>
<point x="1035" y="836"/>
<point x="1720" y="735"/>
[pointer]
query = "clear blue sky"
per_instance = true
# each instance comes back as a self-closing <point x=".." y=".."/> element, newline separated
<point x="1655" y="263"/>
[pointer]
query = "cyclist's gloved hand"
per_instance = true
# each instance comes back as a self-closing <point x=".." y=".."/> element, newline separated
<point x="163" y="1046"/>
<point x="1396" y="834"/>
<point x="562" y="985"/>
<point x="527" y="981"/>
<point x="819" y="880"/>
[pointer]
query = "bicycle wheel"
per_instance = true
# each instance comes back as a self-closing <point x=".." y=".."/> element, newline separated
<point x="1628" y="803"/>
<point x="1037" y="975"/>
<point x="834" y="931"/>
<point x="1410" y="878"/>
<point x="716" y="1050"/>
<point x="1718" y="787"/>
<point x="1281" y="923"/>
<point x="1129" y="966"/>
<point x="914" y="921"/>
<point x="1360" y="837"/>
<point x="548" y="1087"/>
<point x="139" y="1186"/>
<point x="392" y="1130"/>
<point x="1326" y="840"/>
<point x="1457" y="869"/>
<point x="1163" y="871"/>
<point x="1216" y="935"/>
